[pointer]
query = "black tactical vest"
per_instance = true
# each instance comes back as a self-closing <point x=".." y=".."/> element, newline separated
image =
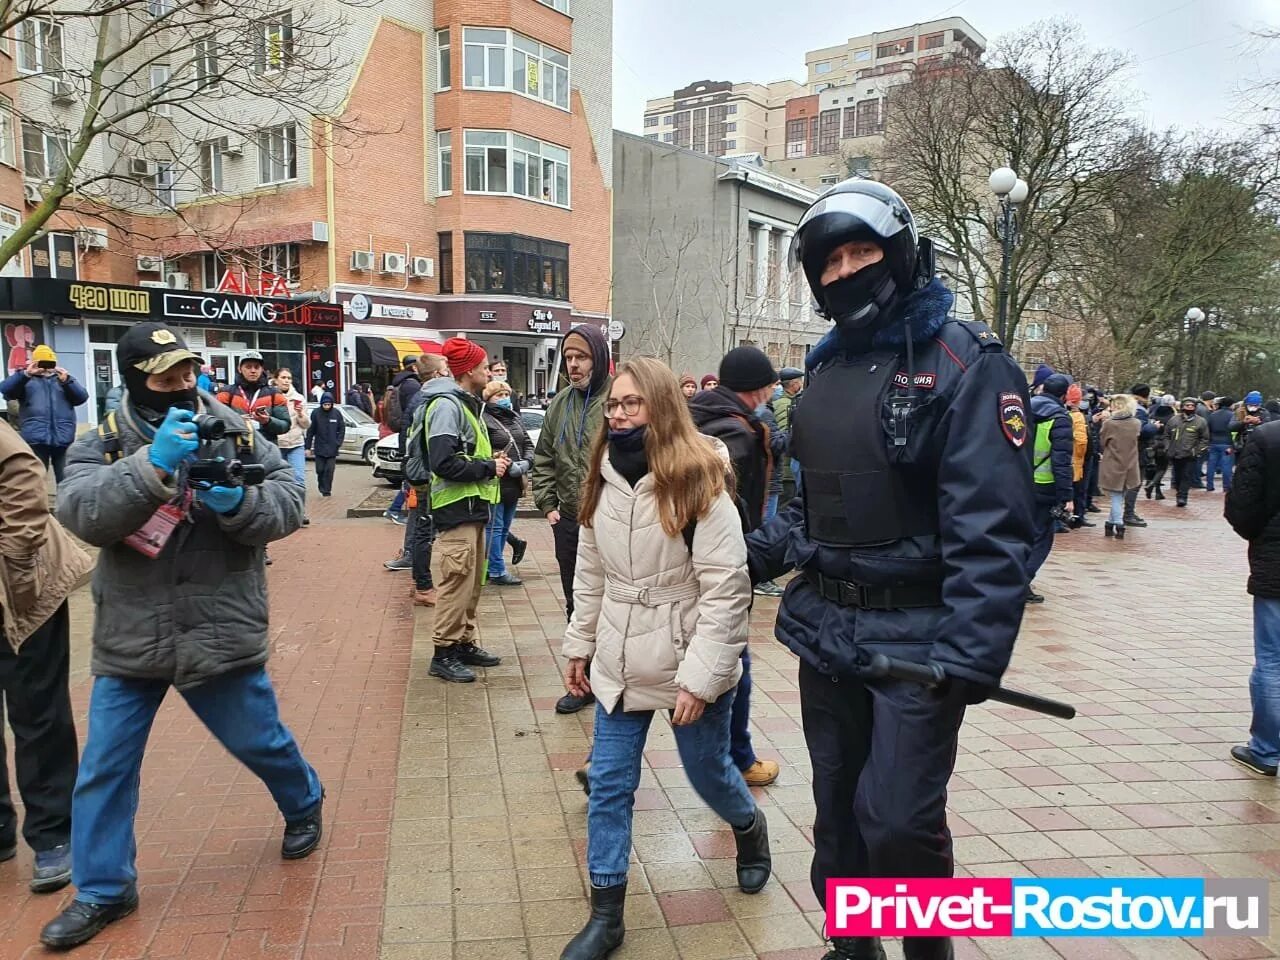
<point x="859" y="487"/>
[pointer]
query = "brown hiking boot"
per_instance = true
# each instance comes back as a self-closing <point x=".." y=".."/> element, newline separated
<point x="761" y="773"/>
<point x="425" y="598"/>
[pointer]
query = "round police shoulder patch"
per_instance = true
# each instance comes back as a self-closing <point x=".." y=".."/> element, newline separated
<point x="1013" y="418"/>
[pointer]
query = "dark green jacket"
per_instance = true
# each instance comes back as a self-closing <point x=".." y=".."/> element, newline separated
<point x="560" y="458"/>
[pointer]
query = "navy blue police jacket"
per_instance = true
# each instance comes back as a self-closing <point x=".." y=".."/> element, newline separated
<point x="970" y="442"/>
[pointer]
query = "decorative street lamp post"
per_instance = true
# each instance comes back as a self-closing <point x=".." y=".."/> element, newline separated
<point x="1011" y="190"/>
<point x="1195" y="321"/>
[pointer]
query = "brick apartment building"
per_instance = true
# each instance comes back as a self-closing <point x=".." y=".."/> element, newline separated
<point x="480" y="206"/>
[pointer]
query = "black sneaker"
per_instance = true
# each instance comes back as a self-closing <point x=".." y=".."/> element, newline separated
<point x="1092" y="509"/>
<point x="81" y="922"/>
<point x="855" y="948"/>
<point x="52" y="870"/>
<point x="448" y="667"/>
<point x="1134" y="521"/>
<point x="1245" y="757"/>
<point x="570" y="703"/>
<point x="1032" y="597"/>
<point x="474" y="656"/>
<point x="518" y="550"/>
<point x="399" y="563"/>
<point x="301" y="837"/>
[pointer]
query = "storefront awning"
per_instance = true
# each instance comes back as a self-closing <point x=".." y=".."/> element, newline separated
<point x="391" y="351"/>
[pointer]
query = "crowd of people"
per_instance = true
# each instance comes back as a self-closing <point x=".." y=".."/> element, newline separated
<point x="672" y="502"/>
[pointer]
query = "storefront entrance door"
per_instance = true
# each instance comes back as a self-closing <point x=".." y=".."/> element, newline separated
<point x="221" y="362"/>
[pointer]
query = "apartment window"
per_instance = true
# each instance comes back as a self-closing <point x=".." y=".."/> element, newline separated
<point x="39" y="46"/>
<point x="159" y="88"/>
<point x="668" y="120"/>
<point x="561" y="5"/>
<point x="44" y="152"/>
<point x="282" y="259"/>
<point x="829" y="180"/>
<point x="895" y="48"/>
<point x="212" y="267"/>
<point x="6" y="132"/>
<point x="159" y="8"/>
<point x="278" y="154"/>
<point x="868" y="118"/>
<point x="1035" y="330"/>
<point x="650" y="121"/>
<point x="536" y="70"/>
<point x="445" y="140"/>
<point x="828" y="132"/>
<point x="211" y="166"/>
<point x="501" y="162"/>
<point x="166" y="193"/>
<point x="822" y="68"/>
<point x="668" y="137"/>
<point x="731" y="144"/>
<point x="446" y="261"/>
<point x="514" y="264"/>
<point x="933" y="41"/>
<point x="731" y="109"/>
<point x="862" y="56"/>
<point x="775" y="265"/>
<point x="444" y="62"/>
<point x="273" y="43"/>
<point x="850" y="121"/>
<point x="206" y="61"/>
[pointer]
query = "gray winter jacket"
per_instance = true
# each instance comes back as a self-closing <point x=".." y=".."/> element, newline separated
<point x="199" y="610"/>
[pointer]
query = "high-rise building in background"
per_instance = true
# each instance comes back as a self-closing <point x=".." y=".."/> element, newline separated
<point x="830" y="127"/>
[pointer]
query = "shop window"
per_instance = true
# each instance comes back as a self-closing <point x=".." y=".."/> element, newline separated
<point x="513" y="264"/>
<point x="445" y="241"/>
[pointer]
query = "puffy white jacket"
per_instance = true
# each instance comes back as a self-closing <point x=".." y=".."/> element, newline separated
<point x="653" y="616"/>
<point x="299" y="421"/>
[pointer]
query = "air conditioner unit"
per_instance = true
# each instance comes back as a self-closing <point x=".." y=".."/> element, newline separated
<point x="153" y="283"/>
<point x="178" y="281"/>
<point x="31" y="192"/>
<point x="150" y="264"/>
<point x="361" y="259"/>
<point x="92" y="238"/>
<point x="423" y="267"/>
<point x="393" y="262"/>
<point x="319" y="231"/>
<point x="231" y="147"/>
<point x="63" y="90"/>
<point x="142" y="168"/>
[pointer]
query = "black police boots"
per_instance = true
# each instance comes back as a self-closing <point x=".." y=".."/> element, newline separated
<point x="604" y="931"/>
<point x="754" y="862"/>
<point x="855" y="948"/>
<point x="927" y="948"/>
<point x="81" y="922"/>
<point x="447" y="665"/>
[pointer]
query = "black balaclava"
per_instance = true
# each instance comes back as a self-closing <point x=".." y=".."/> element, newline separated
<point x="153" y="405"/>
<point x="862" y="301"/>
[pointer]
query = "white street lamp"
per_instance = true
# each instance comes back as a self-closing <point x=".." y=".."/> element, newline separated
<point x="1195" y="315"/>
<point x="1002" y="180"/>
<point x="1011" y="191"/>
<point x="1019" y="192"/>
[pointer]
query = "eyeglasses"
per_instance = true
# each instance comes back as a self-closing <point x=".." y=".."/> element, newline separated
<point x="630" y="406"/>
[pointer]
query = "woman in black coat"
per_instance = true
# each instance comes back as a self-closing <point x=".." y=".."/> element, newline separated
<point x="506" y="434"/>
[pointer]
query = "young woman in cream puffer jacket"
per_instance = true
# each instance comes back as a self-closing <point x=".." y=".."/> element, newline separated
<point x="661" y="601"/>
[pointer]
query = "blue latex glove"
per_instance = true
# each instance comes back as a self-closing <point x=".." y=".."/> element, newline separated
<point x="221" y="499"/>
<point x="175" y="440"/>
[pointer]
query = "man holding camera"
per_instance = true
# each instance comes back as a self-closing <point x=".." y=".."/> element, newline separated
<point x="47" y="397"/>
<point x="182" y="502"/>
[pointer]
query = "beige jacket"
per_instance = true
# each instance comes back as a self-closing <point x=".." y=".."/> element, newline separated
<point x="652" y="616"/>
<point x="40" y="564"/>
<point x="299" y="420"/>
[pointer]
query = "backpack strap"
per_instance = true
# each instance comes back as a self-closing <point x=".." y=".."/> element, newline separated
<point x="109" y="434"/>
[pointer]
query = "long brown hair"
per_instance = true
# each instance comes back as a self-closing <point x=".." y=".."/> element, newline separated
<point x="688" y="474"/>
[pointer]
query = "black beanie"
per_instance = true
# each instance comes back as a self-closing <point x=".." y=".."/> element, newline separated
<point x="1057" y="385"/>
<point x="744" y="369"/>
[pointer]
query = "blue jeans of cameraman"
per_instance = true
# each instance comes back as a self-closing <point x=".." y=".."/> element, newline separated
<point x="238" y="708"/>
<point x="1264" y="681"/>
<point x="615" y="775"/>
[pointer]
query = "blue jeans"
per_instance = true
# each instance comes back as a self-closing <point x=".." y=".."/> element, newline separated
<point x="495" y="535"/>
<point x="238" y="708"/>
<point x="297" y="457"/>
<point x="397" y="503"/>
<point x="771" y="506"/>
<point x="615" y="775"/>
<point x="1117" y="507"/>
<point x="1264" y="681"/>
<point x="1220" y="458"/>
<point x="740" y="724"/>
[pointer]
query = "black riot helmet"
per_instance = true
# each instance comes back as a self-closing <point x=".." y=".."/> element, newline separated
<point x="858" y="209"/>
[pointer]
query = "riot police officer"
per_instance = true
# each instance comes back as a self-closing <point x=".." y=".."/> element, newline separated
<point x="911" y="537"/>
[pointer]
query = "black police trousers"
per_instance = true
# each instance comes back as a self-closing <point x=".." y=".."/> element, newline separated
<point x="882" y="754"/>
<point x="34" y="691"/>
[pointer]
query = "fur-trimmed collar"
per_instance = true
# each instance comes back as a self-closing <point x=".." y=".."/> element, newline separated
<point x="924" y="311"/>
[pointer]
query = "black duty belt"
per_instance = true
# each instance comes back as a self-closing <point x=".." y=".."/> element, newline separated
<point x="866" y="597"/>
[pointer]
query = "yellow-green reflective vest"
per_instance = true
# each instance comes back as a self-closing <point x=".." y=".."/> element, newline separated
<point x="1044" y="452"/>
<point x="444" y="491"/>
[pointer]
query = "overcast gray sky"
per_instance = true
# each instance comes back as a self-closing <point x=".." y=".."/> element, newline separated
<point x="1191" y="55"/>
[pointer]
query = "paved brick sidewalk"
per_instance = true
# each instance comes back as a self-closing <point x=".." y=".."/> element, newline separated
<point x="212" y="881"/>
<point x="1150" y="638"/>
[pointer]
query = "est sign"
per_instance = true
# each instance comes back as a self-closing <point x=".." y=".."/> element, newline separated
<point x="266" y="285"/>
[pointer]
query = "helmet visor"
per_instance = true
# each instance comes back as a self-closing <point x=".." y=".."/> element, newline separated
<point x="850" y="213"/>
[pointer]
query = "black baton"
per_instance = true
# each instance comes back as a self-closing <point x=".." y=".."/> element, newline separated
<point x="879" y="667"/>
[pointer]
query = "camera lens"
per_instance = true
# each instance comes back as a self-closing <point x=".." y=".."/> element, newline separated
<point x="209" y="427"/>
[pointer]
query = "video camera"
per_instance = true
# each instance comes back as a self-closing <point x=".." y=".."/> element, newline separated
<point x="218" y="471"/>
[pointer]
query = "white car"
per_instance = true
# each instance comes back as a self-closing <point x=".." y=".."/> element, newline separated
<point x="361" y="435"/>
<point x="386" y="453"/>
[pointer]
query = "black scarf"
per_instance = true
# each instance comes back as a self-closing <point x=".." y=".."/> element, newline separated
<point x="626" y="453"/>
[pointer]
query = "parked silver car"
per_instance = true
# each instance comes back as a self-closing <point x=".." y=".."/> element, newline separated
<point x="361" y="436"/>
<point x="386" y="455"/>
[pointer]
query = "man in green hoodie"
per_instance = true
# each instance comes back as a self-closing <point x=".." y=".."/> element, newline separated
<point x="573" y="421"/>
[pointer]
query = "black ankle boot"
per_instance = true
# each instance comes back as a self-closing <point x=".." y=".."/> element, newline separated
<point x="927" y="948"/>
<point x="1120" y="531"/>
<point x="856" y="948"/>
<point x="754" y="862"/>
<point x="1110" y="530"/>
<point x="81" y="922"/>
<point x="604" y="931"/>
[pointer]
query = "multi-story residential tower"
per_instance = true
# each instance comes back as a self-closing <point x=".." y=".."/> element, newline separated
<point x="722" y="118"/>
